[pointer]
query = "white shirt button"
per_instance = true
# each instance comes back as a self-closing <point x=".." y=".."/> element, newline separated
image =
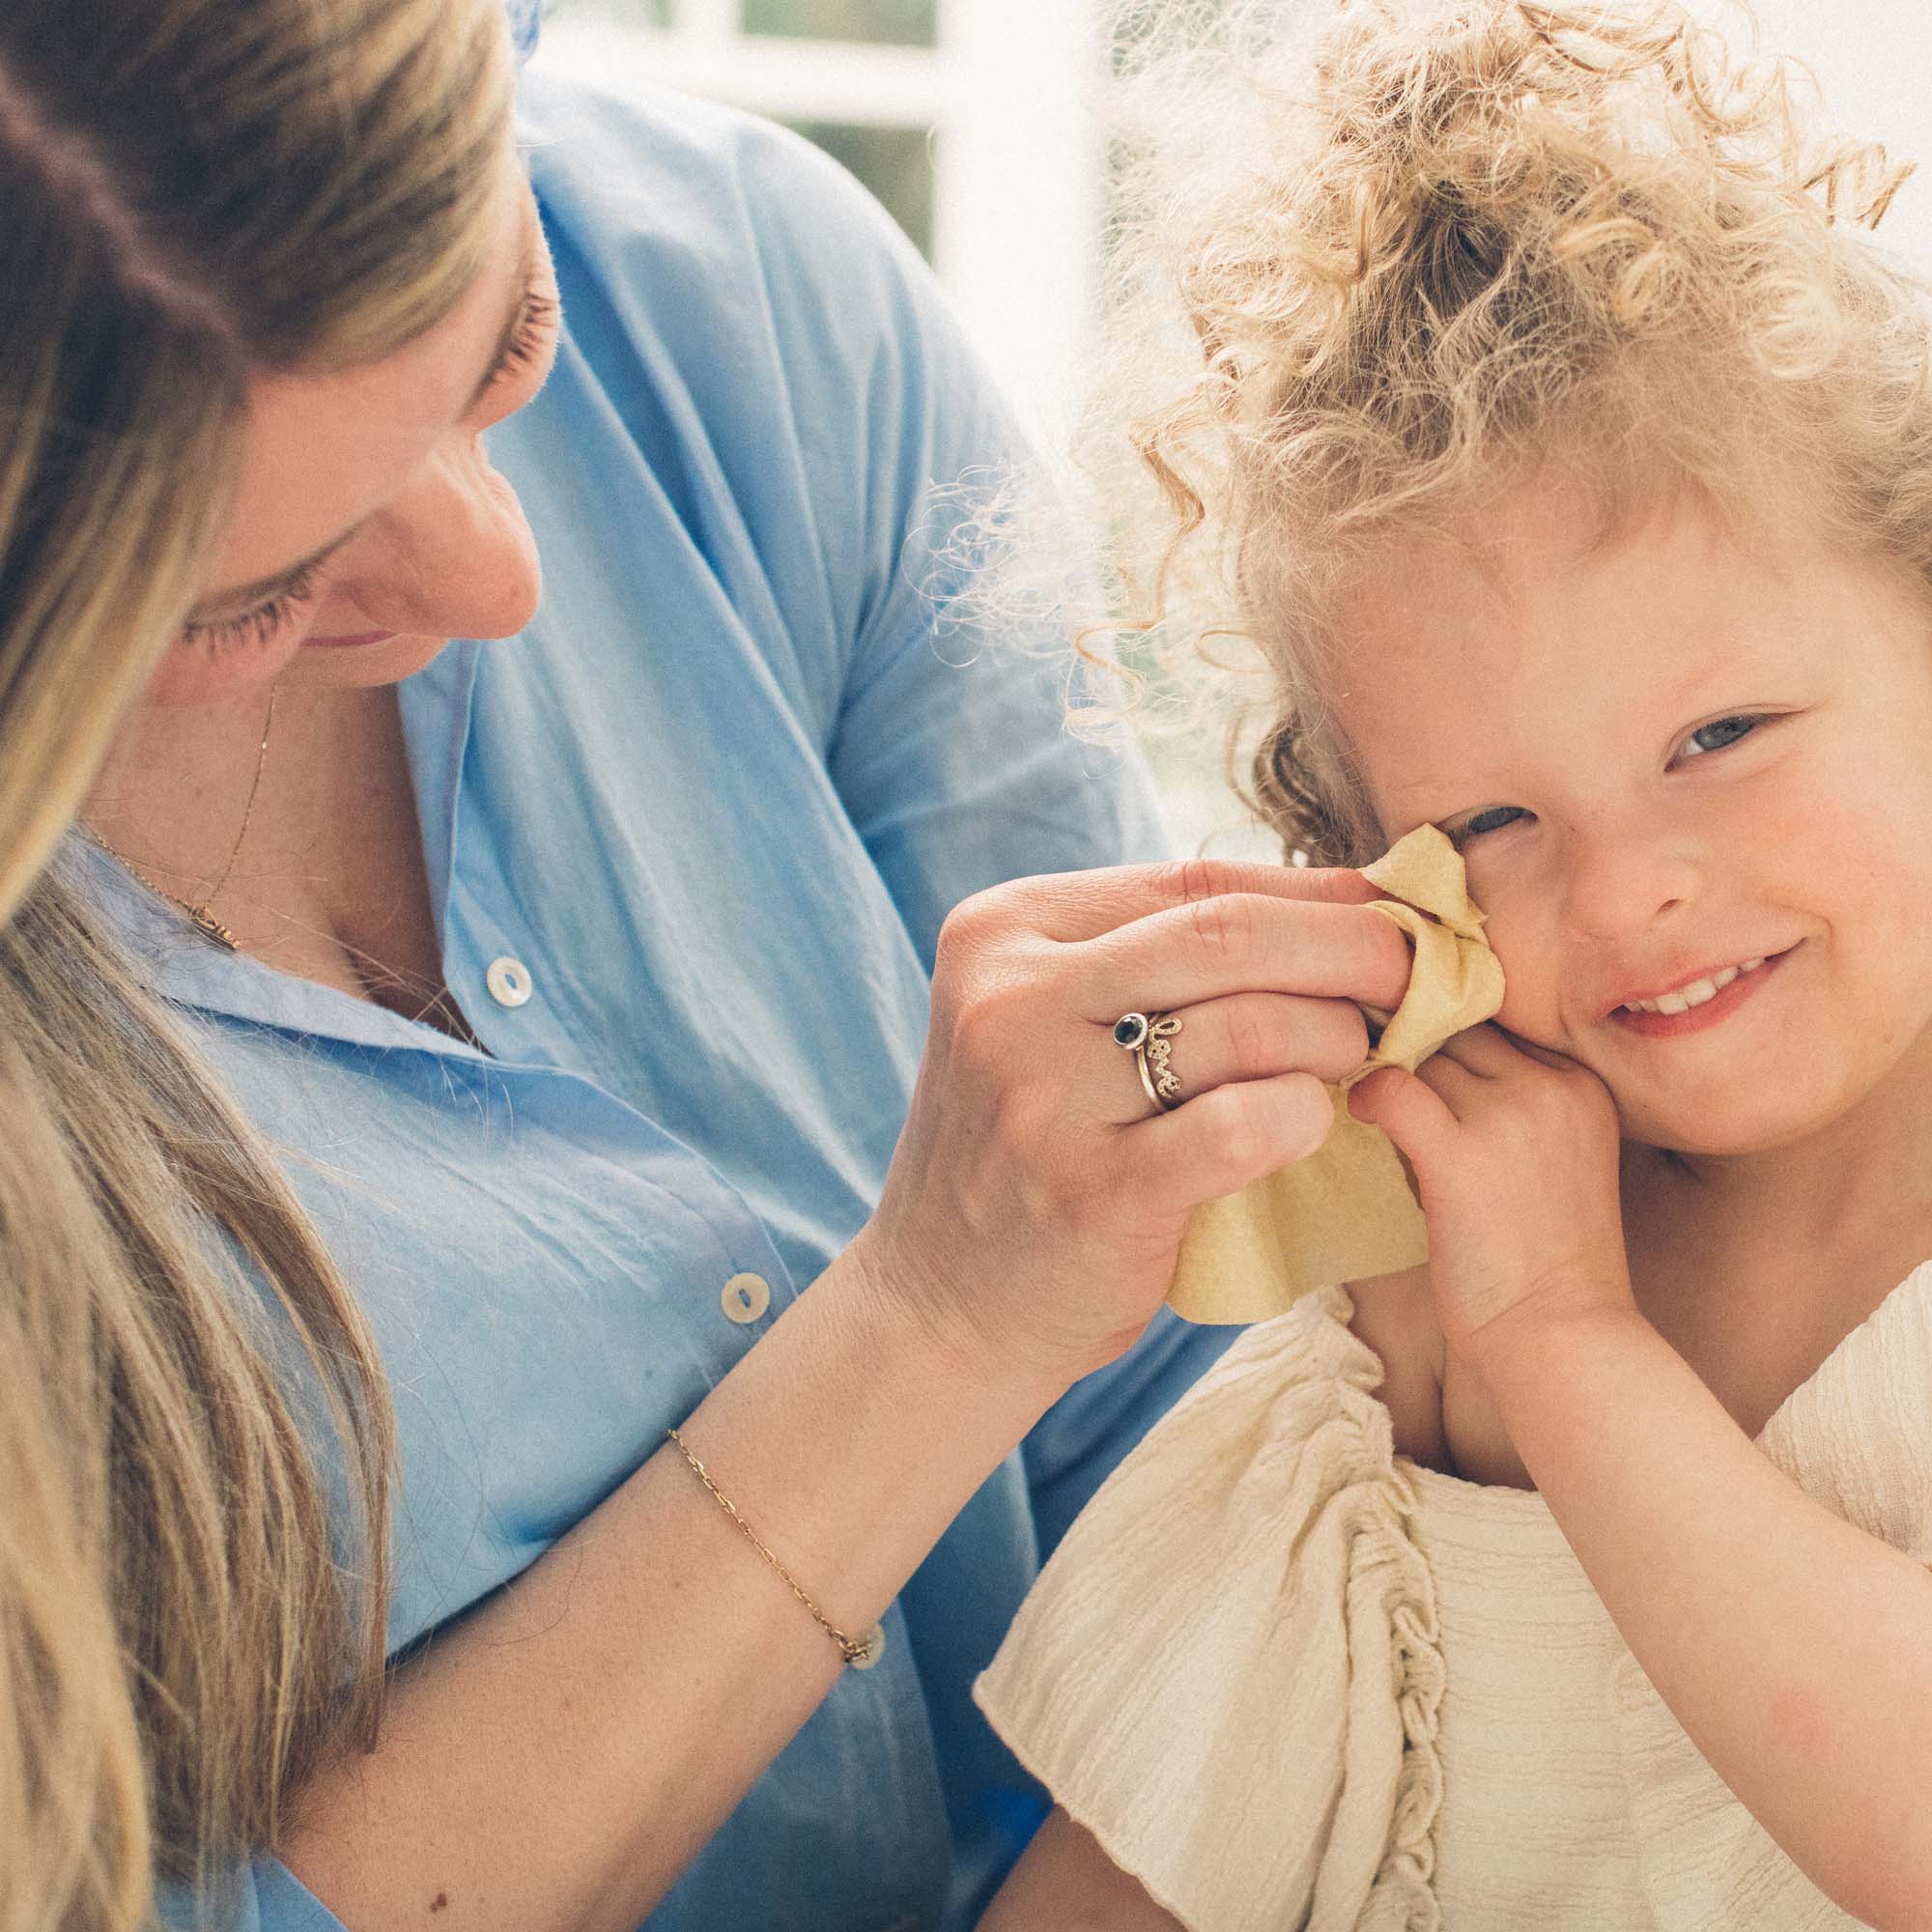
<point x="745" y="1298"/>
<point x="509" y="982"/>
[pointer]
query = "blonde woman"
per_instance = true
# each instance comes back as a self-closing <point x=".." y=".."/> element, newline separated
<point x="434" y="1072"/>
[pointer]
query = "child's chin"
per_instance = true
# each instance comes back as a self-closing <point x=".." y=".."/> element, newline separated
<point x="1744" y="1123"/>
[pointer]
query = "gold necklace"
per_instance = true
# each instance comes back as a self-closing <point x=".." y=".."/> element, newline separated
<point x="428" y="998"/>
<point x="205" y="921"/>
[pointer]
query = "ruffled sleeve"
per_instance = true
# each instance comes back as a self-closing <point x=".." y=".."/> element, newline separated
<point x="1230" y="1672"/>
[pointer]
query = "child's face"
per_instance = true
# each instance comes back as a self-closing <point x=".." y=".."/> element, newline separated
<point x="1663" y="759"/>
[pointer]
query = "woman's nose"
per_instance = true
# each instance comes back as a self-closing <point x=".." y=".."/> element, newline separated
<point x="450" y="555"/>
<point x="1623" y="880"/>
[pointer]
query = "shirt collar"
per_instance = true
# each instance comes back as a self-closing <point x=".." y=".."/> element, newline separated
<point x="191" y="970"/>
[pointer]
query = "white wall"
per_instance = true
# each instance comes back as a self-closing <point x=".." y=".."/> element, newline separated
<point x="1017" y="164"/>
<point x="1874" y="61"/>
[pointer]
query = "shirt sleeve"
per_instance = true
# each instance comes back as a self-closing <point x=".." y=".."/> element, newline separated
<point x="949" y="747"/>
<point x="950" y="750"/>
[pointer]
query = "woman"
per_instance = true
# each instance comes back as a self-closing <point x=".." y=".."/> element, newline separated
<point x="570" y="993"/>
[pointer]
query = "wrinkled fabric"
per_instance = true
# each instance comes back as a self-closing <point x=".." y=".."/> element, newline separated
<point x="1290" y="1679"/>
<point x="526" y="22"/>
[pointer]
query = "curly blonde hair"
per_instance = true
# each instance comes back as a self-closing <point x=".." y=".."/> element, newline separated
<point x="1363" y="279"/>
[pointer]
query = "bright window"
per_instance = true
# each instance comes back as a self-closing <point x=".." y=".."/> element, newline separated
<point x="968" y="120"/>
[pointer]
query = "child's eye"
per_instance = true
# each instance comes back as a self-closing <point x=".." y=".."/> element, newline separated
<point x="1719" y="732"/>
<point x="262" y="622"/>
<point x="1492" y="820"/>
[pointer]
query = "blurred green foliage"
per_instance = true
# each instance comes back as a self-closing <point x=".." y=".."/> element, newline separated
<point x="899" y="24"/>
<point x="894" y="163"/>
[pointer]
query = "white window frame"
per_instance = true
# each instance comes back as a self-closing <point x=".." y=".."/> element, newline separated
<point x="1018" y="162"/>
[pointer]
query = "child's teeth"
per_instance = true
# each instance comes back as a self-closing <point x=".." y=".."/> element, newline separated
<point x="1695" y="994"/>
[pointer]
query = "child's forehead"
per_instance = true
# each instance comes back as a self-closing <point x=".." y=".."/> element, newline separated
<point x="1505" y="557"/>
<point x="1456" y="651"/>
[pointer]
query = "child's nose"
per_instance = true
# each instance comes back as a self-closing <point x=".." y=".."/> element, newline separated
<point x="1622" y="881"/>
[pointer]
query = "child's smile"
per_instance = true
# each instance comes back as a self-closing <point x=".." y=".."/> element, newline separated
<point x="1691" y="773"/>
<point x="1701" y="1004"/>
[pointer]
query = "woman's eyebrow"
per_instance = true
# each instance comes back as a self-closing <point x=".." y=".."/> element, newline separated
<point x="264" y="588"/>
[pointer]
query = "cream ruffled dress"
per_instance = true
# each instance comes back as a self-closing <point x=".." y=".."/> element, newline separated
<point x="1290" y="1679"/>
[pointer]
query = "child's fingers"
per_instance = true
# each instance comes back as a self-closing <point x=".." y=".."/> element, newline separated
<point x="1544" y="1056"/>
<point x="1460" y="1086"/>
<point x="1406" y="1109"/>
<point x="1484" y="1050"/>
<point x="1490" y="1052"/>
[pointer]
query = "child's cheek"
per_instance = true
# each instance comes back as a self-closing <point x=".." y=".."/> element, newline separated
<point x="1532" y="989"/>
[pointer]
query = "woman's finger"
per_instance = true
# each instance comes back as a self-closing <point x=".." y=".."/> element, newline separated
<point x="1224" y="1140"/>
<point x="1070" y="907"/>
<point x="1242" y="943"/>
<point x="1245" y="1036"/>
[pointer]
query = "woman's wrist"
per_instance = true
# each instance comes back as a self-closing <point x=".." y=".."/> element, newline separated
<point x="900" y="1314"/>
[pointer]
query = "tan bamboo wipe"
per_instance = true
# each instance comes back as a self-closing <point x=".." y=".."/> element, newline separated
<point x="1346" y="1213"/>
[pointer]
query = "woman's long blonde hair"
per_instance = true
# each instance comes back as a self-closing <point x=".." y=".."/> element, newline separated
<point x="1365" y="272"/>
<point x="194" y="190"/>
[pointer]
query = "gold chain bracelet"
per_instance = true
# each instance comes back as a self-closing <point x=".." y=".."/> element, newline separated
<point x="860" y="1651"/>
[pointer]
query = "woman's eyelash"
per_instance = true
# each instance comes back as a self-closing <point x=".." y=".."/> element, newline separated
<point x="532" y="335"/>
<point x="262" y="622"/>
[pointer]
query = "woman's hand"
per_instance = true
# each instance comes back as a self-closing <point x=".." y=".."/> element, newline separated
<point x="1514" y="1154"/>
<point x="1036" y="1202"/>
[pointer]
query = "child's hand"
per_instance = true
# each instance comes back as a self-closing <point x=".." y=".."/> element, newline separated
<point x="1514" y="1154"/>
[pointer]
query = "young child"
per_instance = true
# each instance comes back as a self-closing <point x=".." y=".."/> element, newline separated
<point x="1570" y="454"/>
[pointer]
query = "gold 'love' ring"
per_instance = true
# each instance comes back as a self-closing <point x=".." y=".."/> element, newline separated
<point x="1147" y="1036"/>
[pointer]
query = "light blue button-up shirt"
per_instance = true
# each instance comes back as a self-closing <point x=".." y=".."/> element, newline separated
<point x="690" y="840"/>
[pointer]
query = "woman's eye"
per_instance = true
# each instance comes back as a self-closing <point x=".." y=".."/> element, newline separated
<point x="1718" y="734"/>
<point x="1492" y="820"/>
<point x="261" y="623"/>
<point x="532" y="337"/>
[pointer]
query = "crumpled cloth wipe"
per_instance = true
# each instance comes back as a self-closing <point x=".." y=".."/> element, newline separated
<point x="1345" y="1212"/>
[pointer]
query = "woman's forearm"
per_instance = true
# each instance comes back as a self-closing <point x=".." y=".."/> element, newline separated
<point x="556" y="1759"/>
<point x="1794" y="1649"/>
